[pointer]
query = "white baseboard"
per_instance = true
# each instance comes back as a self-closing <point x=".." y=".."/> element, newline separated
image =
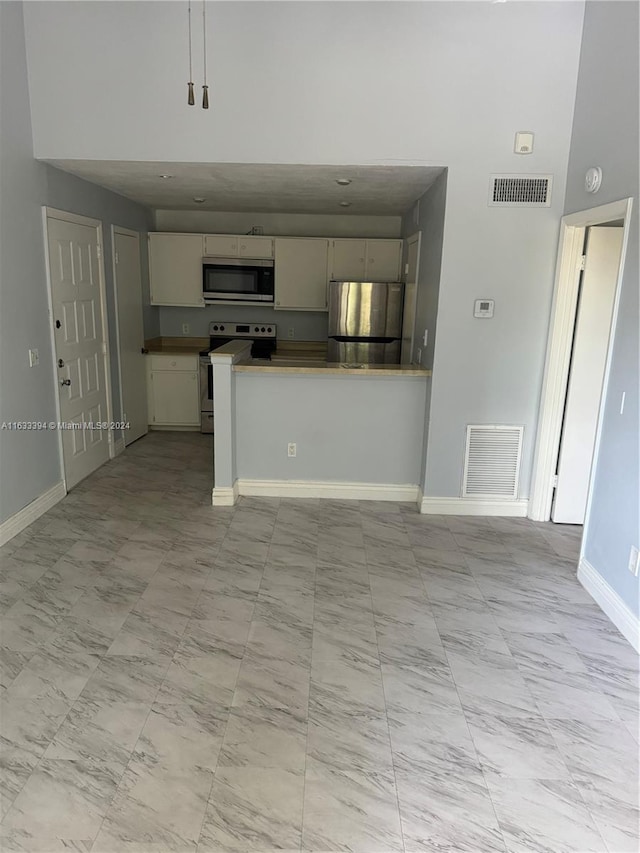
<point x="610" y="602"/>
<point x="470" y="506"/>
<point x="319" y="489"/>
<point x="224" y="495"/>
<point x="23" y="518"/>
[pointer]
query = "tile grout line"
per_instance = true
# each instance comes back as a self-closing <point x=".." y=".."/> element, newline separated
<point x="384" y="694"/>
<point x="215" y="770"/>
<point x="306" y="748"/>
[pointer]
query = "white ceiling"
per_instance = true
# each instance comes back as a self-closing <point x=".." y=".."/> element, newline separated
<point x="260" y="187"/>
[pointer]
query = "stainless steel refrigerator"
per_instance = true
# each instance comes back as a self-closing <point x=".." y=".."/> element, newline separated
<point x="365" y="322"/>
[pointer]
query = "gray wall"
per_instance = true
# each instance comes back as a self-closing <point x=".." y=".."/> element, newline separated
<point x="347" y="428"/>
<point x="306" y="325"/>
<point x="431" y="211"/>
<point x="431" y="208"/>
<point x="29" y="461"/>
<point x="429" y="83"/>
<point x="278" y="224"/>
<point x="605" y="133"/>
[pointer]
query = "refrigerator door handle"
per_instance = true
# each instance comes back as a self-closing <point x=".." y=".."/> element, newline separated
<point x="346" y="339"/>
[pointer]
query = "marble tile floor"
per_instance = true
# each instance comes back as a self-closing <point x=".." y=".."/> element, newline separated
<point x="304" y="675"/>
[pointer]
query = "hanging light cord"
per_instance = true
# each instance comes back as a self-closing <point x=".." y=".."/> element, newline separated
<point x="191" y="96"/>
<point x="205" y="88"/>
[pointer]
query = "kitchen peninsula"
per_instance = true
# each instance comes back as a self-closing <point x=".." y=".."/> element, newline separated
<point x="307" y="428"/>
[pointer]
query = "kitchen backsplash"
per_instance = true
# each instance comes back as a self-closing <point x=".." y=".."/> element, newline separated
<point x="306" y="325"/>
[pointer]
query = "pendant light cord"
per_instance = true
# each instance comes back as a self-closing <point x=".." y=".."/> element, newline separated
<point x="205" y="88"/>
<point x="190" y="50"/>
<point x="190" y="96"/>
<point x="204" y="38"/>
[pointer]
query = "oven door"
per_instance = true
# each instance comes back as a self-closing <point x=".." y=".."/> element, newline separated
<point x="235" y="279"/>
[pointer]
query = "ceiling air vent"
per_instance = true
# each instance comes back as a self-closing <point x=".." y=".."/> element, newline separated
<point x="492" y="461"/>
<point x="520" y="190"/>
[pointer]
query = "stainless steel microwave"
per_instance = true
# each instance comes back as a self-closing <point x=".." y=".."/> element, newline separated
<point x="237" y="280"/>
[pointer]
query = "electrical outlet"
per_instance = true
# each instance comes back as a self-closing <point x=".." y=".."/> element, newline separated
<point x="291" y="332"/>
<point x="425" y="337"/>
<point x="185" y="328"/>
<point x="634" y="560"/>
<point x="34" y="357"/>
<point x="419" y="354"/>
<point x="291" y="449"/>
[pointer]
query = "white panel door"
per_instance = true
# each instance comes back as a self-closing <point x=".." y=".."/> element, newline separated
<point x="133" y="384"/>
<point x="588" y="359"/>
<point x="80" y="348"/>
<point x="410" y="298"/>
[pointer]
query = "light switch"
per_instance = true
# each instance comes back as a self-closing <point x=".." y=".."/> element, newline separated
<point x="34" y="357"/>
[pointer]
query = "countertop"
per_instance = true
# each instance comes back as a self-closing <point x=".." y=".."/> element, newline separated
<point x="328" y="368"/>
<point x="302" y="357"/>
<point x="176" y="346"/>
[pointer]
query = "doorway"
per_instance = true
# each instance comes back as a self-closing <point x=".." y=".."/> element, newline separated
<point x="80" y="342"/>
<point x="570" y="412"/>
<point x="596" y="297"/>
<point x="127" y="277"/>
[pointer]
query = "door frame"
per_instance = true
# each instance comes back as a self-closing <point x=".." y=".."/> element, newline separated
<point x="119" y="445"/>
<point x="77" y="219"/>
<point x="559" y="343"/>
<point x="416" y="237"/>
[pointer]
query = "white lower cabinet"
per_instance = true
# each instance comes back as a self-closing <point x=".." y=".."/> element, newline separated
<point x="301" y="273"/>
<point x="173" y="392"/>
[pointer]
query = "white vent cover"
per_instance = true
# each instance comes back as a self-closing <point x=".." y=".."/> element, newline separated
<point x="520" y="190"/>
<point x="492" y="461"/>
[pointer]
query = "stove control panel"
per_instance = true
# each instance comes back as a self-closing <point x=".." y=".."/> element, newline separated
<point x="242" y="330"/>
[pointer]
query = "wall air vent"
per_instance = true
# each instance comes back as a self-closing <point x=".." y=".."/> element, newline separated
<point x="492" y="461"/>
<point x="520" y="190"/>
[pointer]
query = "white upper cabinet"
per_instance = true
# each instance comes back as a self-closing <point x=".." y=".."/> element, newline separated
<point x="365" y="260"/>
<point x="237" y="246"/>
<point x="175" y="269"/>
<point x="301" y="273"/>
<point x="221" y="245"/>
<point x="348" y="260"/>
<point x="383" y="260"/>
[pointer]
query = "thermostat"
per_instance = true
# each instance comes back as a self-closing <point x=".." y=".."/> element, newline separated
<point x="483" y="308"/>
<point x="524" y="142"/>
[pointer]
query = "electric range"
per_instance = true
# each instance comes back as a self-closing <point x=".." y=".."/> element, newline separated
<point x="263" y="337"/>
